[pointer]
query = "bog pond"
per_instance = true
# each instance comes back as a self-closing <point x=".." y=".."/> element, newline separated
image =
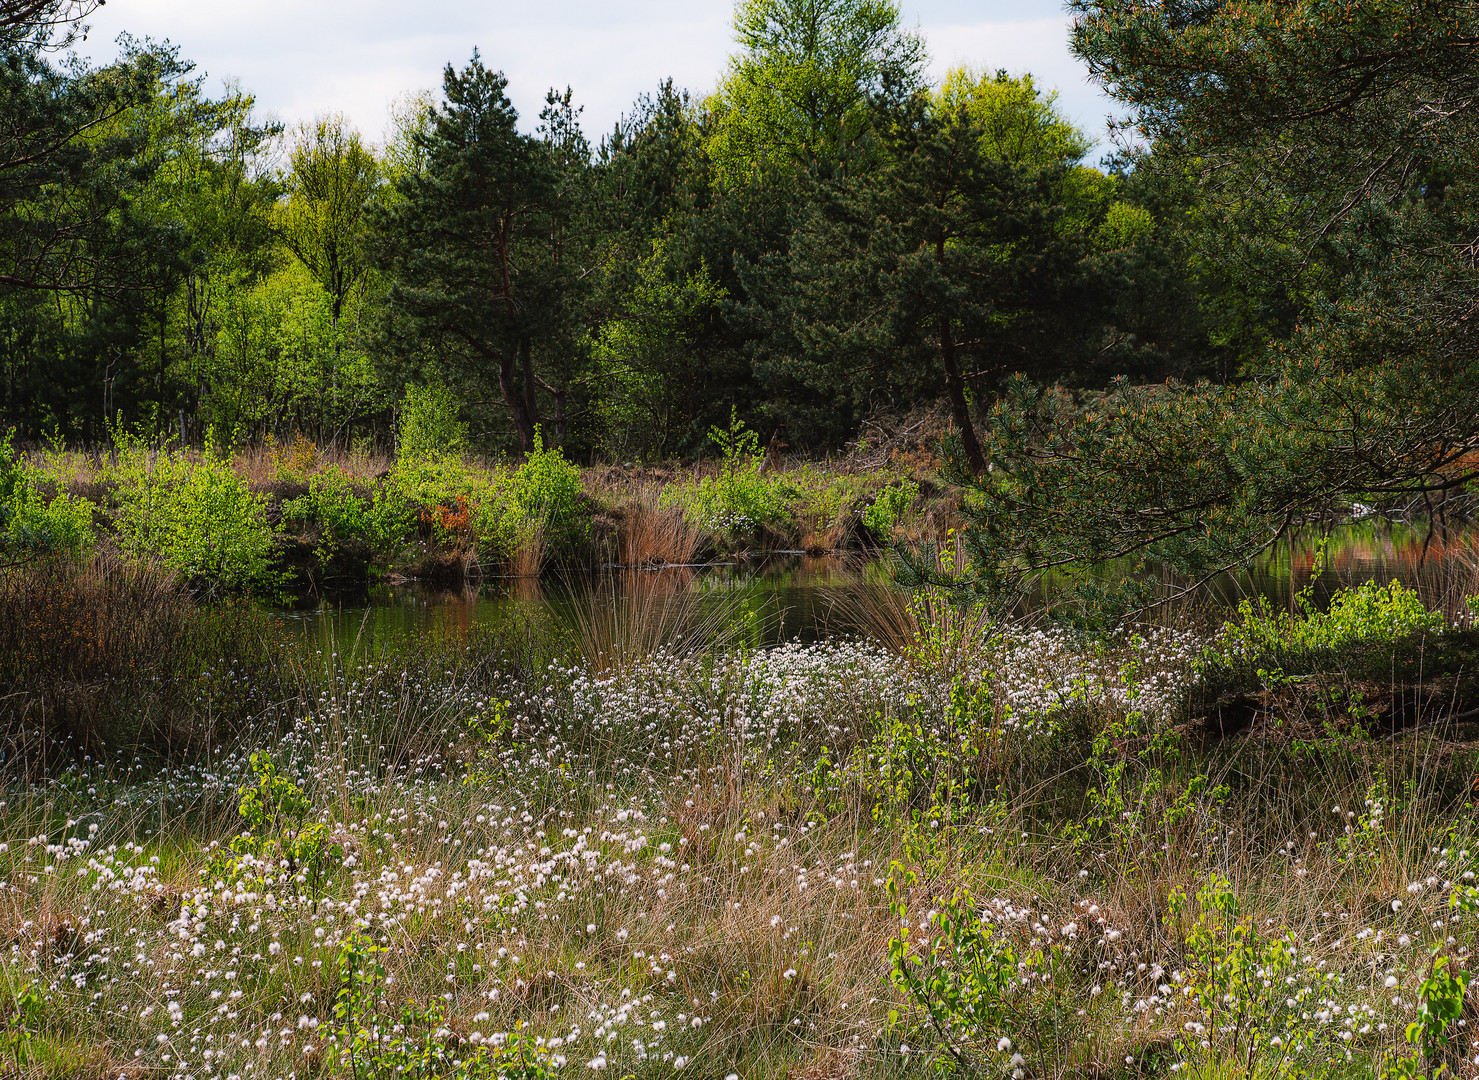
<point x="793" y="596"/>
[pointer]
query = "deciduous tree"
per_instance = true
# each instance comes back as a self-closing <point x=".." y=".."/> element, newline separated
<point x="800" y="86"/>
<point x="332" y="179"/>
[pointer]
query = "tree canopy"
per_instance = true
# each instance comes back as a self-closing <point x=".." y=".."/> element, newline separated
<point x="800" y="85"/>
<point x="826" y="237"/>
<point x="1330" y="149"/>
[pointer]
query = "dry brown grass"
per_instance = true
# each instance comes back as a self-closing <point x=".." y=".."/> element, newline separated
<point x="925" y="626"/>
<point x="822" y="534"/>
<point x="530" y="553"/>
<point x="103" y="651"/>
<point x="652" y="534"/>
<point x="1448" y="574"/>
<point x="273" y="467"/>
<point x="636" y="613"/>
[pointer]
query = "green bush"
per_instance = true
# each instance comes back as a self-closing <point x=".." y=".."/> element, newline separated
<point x="741" y="498"/>
<point x="823" y="497"/>
<point x="443" y="495"/>
<point x="1371" y="613"/>
<point x="992" y="1007"/>
<point x="198" y="518"/>
<point x="429" y="428"/>
<point x="1250" y="995"/>
<point x="32" y="525"/>
<point x="276" y="812"/>
<point x="375" y="1043"/>
<point x="347" y="518"/>
<point x="890" y="508"/>
<point x="546" y="490"/>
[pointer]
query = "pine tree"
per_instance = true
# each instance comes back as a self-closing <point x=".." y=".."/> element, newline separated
<point x="477" y="248"/>
<point x="1332" y="149"/>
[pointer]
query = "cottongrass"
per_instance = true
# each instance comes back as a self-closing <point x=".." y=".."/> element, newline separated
<point x="680" y="864"/>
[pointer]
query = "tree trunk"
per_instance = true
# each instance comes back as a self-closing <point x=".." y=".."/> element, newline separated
<point x="531" y="403"/>
<point x="955" y="391"/>
<point x="517" y="406"/>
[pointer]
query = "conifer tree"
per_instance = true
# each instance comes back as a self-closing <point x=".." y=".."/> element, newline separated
<point x="477" y="248"/>
<point x="1332" y="150"/>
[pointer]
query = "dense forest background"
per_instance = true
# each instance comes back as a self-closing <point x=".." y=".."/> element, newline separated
<point x="1262" y="306"/>
<point x="823" y="238"/>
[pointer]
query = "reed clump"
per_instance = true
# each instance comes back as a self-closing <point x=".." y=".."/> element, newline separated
<point x="113" y="654"/>
<point x="654" y="533"/>
<point x="632" y="616"/>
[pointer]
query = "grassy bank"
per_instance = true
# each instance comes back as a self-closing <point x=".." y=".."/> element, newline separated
<point x="299" y="517"/>
<point x="631" y="843"/>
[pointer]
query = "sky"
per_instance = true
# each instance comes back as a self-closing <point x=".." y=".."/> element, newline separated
<point x="304" y="58"/>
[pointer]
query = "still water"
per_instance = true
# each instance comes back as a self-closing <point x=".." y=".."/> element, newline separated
<point x="796" y="596"/>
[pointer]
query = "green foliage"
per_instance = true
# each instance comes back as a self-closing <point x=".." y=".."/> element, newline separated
<point x="197" y="516"/>
<point x="799" y="87"/>
<point x="32" y="525"/>
<point x="738" y="446"/>
<point x="275" y="811"/>
<point x="279" y="357"/>
<point x="1018" y="122"/>
<point x="333" y="176"/>
<point x="945" y="261"/>
<point x="1440" y="1007"/>
<point x="1239" y="980"/>
<point x="458" y="504"/>
<point x="645" y="356"/>
<point x="429" y="427"/>
<point x="890" y="508"/>
<point x="417" y="1043"/>
<point x="1277" y="646"/>
<point x="1371" y="613"/>
<point x="1124" y="225"/>
<point x="80" y="263"/>
<point x="1195" y="479"/>
<point x="483" y="266"/>
<point x="1361" y="346"/>
<point x="546" y="491"/>
<point x="741" y="498"/>
<point x="23" y="1024"/>
<point x="962" y="976"/>
<point x="992" y="1007"/>
<point x="346" y="517"/>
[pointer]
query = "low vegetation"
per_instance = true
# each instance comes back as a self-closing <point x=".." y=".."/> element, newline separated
<point x="298" y="517"/>
<point x="634" y="841"/>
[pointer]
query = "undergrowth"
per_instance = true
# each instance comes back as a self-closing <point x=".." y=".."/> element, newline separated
<point x="535" y="851"/>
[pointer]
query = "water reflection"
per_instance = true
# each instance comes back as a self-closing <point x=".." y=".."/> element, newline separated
<point x="1442" y="565"/>
<point x="793" y="596"/>
<point x="781" y="598"/>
